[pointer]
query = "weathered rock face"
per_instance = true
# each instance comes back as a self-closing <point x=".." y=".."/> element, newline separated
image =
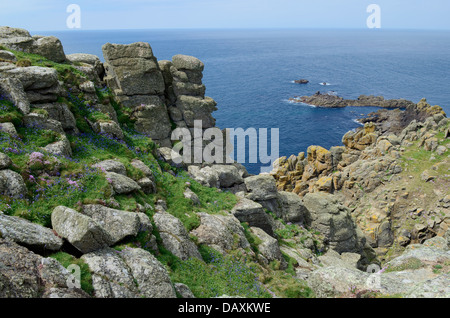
<point x="118" y="224"/>
<point x="12" y="184"/>
<point x="218" y="232"/>
<point x="254" y="214"/>
<point x="88" y="59"/>
<point x="27" y="275"/>
<point x="175" y="237"/>
<point x="269" y="247"/>
<point x="80" y="230"/>
<point x="333" y="220"/>
<point x="122" y="184"/>
<point x="130" y="273"/>
<point x="21" y="40"/>
<point x="28" y="234"/>
<point x="133" y="74"/>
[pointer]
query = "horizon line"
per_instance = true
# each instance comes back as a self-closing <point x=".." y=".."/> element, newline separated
<point x="245" y="28"/>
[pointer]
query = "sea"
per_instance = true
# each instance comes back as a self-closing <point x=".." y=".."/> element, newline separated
<point x="251" y="73"/>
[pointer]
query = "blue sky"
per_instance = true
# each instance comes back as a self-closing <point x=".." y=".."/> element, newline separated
<point x="49" y="15"/>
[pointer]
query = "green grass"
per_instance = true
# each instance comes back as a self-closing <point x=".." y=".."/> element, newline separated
<point x="9" y="113"/>
<point x="37" y="60"/>
<point x="86" y="279"/>
<point x="218" y="275"/>
<point x="412" y="264"/>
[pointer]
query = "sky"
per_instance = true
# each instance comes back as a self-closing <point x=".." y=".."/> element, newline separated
<point x="52" y="15"/>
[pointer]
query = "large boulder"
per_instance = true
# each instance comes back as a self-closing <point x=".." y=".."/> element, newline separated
<point x="122" y="184"/>
<point x="90" y="59"/>
<point x="80" y="230"/>
<point x="268" y="247"/>
<point x="254" y="214"/>
<point x="151" y="277"/>
<point x="130" y="273"/>
<point x="133" y="69"/>
<point x="261" y="187"/>
<point x="228" y="175"/>
<point x="333" y="220"/>
<point x="153" y="120"/>
<point x="21" y="40"/>
<point x="12" y="184"/>
<point x="291" y="208"/>
<point x="111" y="166"/>
<point x="60" y="148"/>
<point x="174" y="236"/>
<point x="34" y="77"/>
<point x="31" y="235"/>
<point x="60" y="112"/>
<point x="49" y="47"/>
<point x="15" y="91"/>
<point x="118" y="224"/>
<point x="5" y="161"/>
<point x="219" y="232"/>
<point x="27" y="275"/>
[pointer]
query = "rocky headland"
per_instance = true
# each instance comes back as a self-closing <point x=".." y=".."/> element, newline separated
<point x="87" y="180"/>
<point x="333" y="101"/>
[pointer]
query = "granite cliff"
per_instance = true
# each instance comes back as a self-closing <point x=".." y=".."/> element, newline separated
<point x="86" y="180"/>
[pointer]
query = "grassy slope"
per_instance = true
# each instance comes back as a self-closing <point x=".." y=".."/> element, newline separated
<point x="72" y="182"/>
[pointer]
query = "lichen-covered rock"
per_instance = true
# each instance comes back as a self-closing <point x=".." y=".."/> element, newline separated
<point x="122" y="184"/>
<point x="109" y="128"/>
<point x="151" y="277"/>
<point x="112" y="166"/>
<point x="268" y="247"/>
<point x="9" y="128"/>
<point x="12" y="184"/>
<point x="291" y="208"/>
<point x="261" y="187"/>
<point x="153" y="120"/>
<point x="219" y="231"/>
<point x="89" y="59"/>
<point x="205" y="176"/>
<point x="80" y="230"/>
<point x="21" y="40"/>
<point x="133" y="69"/>
<point x="60" y="112"/>
<point x="332" y="219"/>
<point x="111" y="277"/>
<point x="174" y="236"/>
<point x="60" y="148"/>
<point x="49" y="47"/>
<point x="16" y="93"/>
<point x="253" y="213"/>
<point x="183" y="290"/>
<point x="41" y="121"/>
<point x="118" y="224"/>
<point x="31" y="235"/>
<point x="228" y="175"/>
<point x="190" y="195"/>
<point x="5" y="161"/>
<point x="27" y="275"/>
<point x="130" y="273"/>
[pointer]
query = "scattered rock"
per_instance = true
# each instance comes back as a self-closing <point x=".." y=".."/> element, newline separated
<point x="12" y="184"/>
<point x="175" y="237"/>
<point x="122" y="184"/>
<point x="253" y="213"/>
<point x="118" y="224"/>
<point x="112" y="166"/>
<point x="80" y="230"/>
<point x="219" y="232"/>
<point x="30" y="235"/>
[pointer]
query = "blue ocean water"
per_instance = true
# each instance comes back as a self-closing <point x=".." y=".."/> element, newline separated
<point x="250" y="73"/>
